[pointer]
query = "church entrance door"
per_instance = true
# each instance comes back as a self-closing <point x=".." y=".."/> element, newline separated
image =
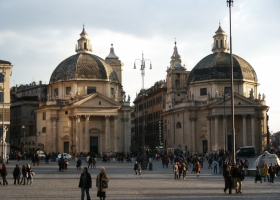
<point x="94" y="145"/>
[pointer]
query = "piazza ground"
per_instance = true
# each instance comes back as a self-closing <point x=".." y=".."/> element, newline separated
<point x="159" y="184"/>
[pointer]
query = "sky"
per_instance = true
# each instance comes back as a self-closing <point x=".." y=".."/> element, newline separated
<point x="36" y="35"/>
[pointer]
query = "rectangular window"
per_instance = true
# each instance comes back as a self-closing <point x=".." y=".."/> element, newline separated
<point x="1" y="96"/>
<point x="203" y="91"/>
<point x="91" y="90"/>
<point x="44" y="116"/>
<point x="31" y="114"/>
<point x="112" y="91"/>
<point x="227" y="91"/>
<point x="31" y="130"/>
<point x="67" y="90"/>
<point x="1" y="77"/>
<point x="55" y="92"/>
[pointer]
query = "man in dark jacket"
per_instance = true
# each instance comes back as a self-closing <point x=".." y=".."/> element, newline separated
<point x="238" y="177"/>
<point x="16" y="174"/>
<point x="271" y="171"/>
<point x="85" y="183"/>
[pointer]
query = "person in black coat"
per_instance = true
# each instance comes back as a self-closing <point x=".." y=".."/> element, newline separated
<point x="228" y="181"/>
<point x="85" y="183"/>
<point x="16" y="174"/>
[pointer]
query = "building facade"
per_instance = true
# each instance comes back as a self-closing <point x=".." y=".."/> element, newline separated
<point x="5" y="71"/>
<point x="197" y="117"/>
<point x="86" y="109"/>
<point x="147" y="112"/>
<point x="25" y="99"/>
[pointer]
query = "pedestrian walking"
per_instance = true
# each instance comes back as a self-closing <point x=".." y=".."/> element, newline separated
<point x="16" y="174"/>
<point x="238" y="177"/>
<point x="102" y="184"/>
<point x="258" y="175"/>
<point x="136" y="167"/>
<point x="85" y="183"/>
<point x="29" y="175"/>
<point x="228" y="181"/>
<point x="90" y="162"/>
<point x="265" y="173"/>
<point x="7" y="158"/>
<point x="215" y="163"/>
<point x="198" y="169"/>
<point x="176" y="170"/>
<point x="4" y="173"/>
<point x="185" y="168"/>
<point x="79" y="163"/>
<point x="271" y="171"/>
<point x="23" y="171"/>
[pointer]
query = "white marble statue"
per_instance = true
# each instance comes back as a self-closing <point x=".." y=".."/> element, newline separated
<point x="5" y="133"/>
<point x="128" y="98"/>
<point x="267" y="158"/>
<point x="263" y="97"/>
<point x="260" y="96"/>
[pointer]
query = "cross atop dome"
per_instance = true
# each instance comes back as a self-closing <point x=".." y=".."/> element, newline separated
<point x="83" y="45"/>
<point x="220" y="41"/>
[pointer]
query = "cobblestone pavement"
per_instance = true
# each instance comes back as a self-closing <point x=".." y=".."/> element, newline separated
<point x="159" y="184"/>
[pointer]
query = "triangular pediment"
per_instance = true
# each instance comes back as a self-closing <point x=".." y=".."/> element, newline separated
<point x="238" y="99"/>
<point x="96" y="100"/>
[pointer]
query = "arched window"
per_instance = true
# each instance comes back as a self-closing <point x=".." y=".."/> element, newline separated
<point x="44" y="130"/>
<point x="85" y="45"/>
<point x="217" y="45"/>
<point x="222" y="43"/>
<point x="178" y="125"/>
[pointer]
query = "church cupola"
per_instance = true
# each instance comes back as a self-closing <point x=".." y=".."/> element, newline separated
<point x="112" y="54"/>
<point x="220" y="41"/>
<point x="176" y="58"/>
<point x="83" y="45"/>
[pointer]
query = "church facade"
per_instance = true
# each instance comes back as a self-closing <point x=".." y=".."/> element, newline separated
<point x="86" y="109"/>
<point x="197" y="115"/>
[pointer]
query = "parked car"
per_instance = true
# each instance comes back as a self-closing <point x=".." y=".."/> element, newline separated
<point x="65" y="155"/>
<point x="246" y="151"/>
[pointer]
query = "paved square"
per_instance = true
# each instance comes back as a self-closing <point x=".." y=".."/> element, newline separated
<point x="159" y="184"/>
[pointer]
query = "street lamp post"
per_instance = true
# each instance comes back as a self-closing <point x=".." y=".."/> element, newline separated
<point x="143" y="61"/>
<point x="230" y="4"/>
<point x="23" y="127"/>
<point x="3" y="125"/>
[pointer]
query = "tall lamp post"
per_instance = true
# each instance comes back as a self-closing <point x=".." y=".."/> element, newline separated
<point x="230" y="4"/>
<point x="143" y="62"/>
<point x="3" y="125"/>
<point x="23" y="127"/>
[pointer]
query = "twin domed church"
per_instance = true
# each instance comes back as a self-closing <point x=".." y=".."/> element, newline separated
<point x="86" y="108"/>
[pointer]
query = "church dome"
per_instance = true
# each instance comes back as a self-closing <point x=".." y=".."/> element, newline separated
<point x="83" y="66"/>
<point x="217" y="66"/>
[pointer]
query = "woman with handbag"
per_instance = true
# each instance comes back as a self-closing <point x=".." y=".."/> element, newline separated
<point x="102" y="184"/>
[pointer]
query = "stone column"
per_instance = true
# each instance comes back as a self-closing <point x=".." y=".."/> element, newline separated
<point x="54" y="133"/>
<point x="244" y="130"/>
<point x="261" y="118"/>
<point x="74" y="129"/>
<point x="216" y="131"/>
<point x="78" y="141"/>
<point x="209" y="133"/>
<point x="253" y="129"/>
<point x="71" y="135"/>
<point x="193" y="119"/>
<point x="115" y="134"/>
<point x="225" y="131"/>
<point x="107" y="130"/>
<point x="87" y="139"/>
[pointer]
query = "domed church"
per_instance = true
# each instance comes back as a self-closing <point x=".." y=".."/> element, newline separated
<point x="197" y="117"/>
<point x="86" y="109"/>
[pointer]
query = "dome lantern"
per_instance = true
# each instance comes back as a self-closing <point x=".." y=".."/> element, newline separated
<point x="220" y="41"/>
<point x="83" y="45"/>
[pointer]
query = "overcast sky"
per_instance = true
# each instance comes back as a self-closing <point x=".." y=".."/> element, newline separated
<point x="35" y="36"/>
